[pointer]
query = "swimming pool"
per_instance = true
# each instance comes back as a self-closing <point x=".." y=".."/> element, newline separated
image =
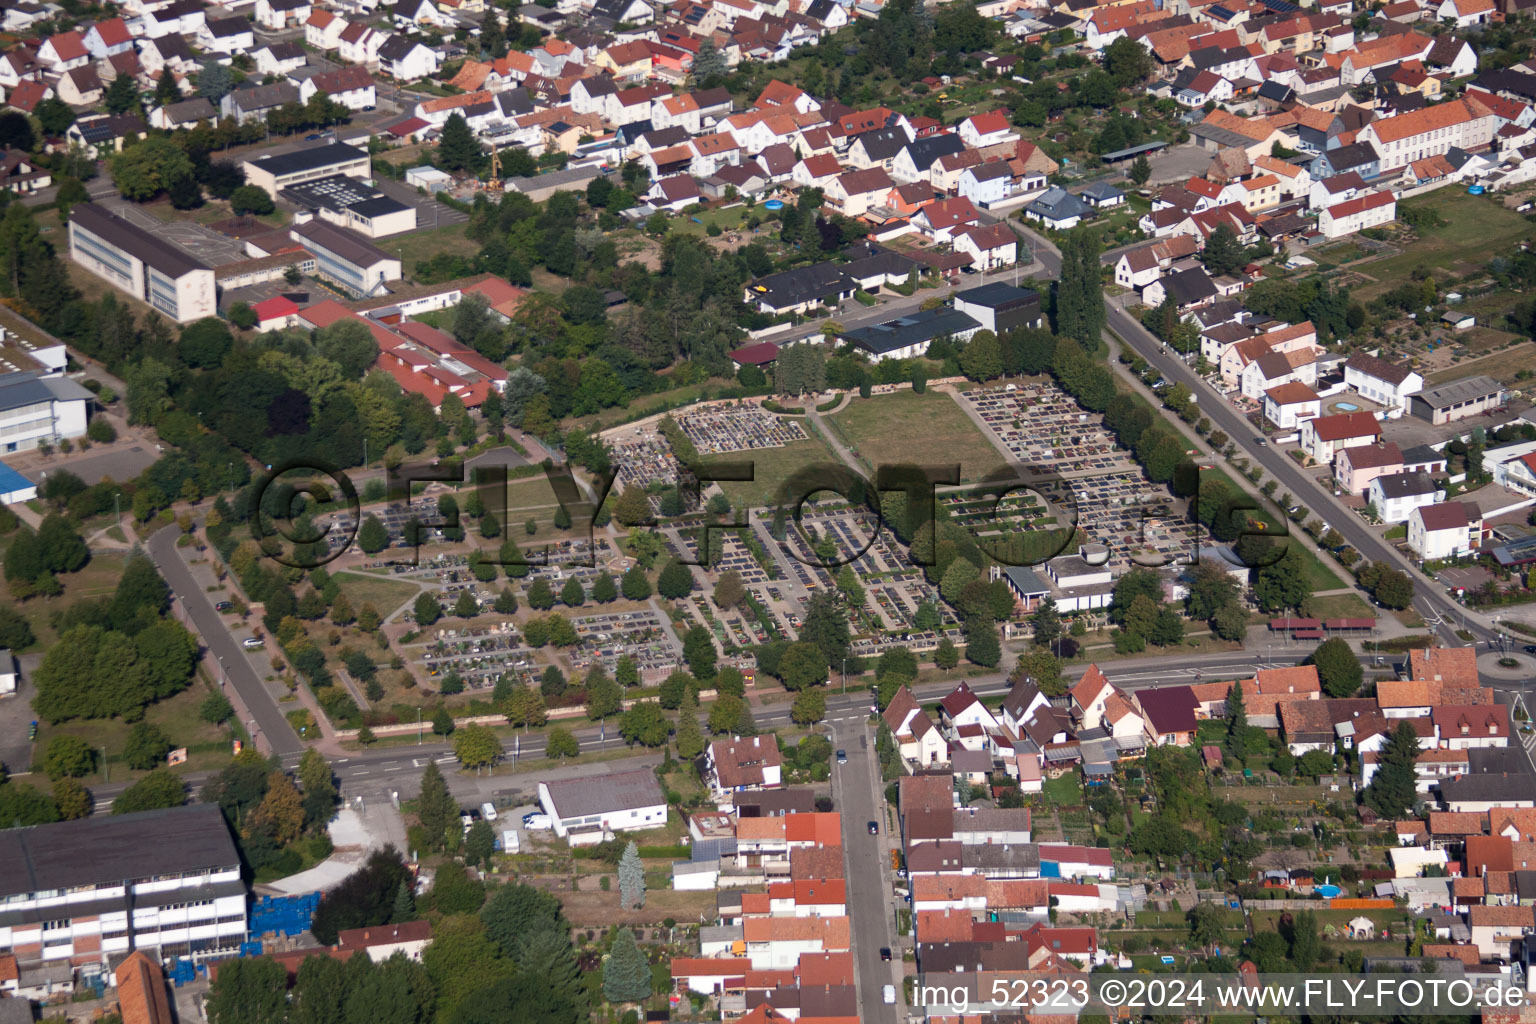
<point x="1346" y="406"/>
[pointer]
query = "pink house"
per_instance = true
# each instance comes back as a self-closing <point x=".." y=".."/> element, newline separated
<point x="1355" y="468"/>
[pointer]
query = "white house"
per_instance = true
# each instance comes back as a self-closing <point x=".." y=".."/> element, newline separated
<point x="1288" y="404"/>
<point x="1398" y="494"/>
<point x="990" y="129"/>
<point x="583" y="811"/>
<point x="1452" y="529"/>
<point x="406" y="59"/>
<point x="7" y="672"/>
<point x="383" y="941"/>
<point x="1387" y="384"/>
<point x="989" y="247"/>
<point x="352" y="87"/>
<point x="323" y="30"/>
<point x="988" y="183"/>
<point x="1364" y="211"/>
<point x="280" y="14"/>
<point x="1322" y="437"/>
<point x="918" y="740"/>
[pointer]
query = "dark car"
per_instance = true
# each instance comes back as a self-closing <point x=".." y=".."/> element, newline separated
<point x="1262" y="442"/>
<point x="224" y="606"/>
<point x="842" y="757"/>
<point x="885" y="952"/>
<point x="311" y="138"/>
<point x="1530" y="648"/>
<point x="874" y="828"/>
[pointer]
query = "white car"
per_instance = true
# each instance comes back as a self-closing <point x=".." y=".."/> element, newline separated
<point x="252" y="643"/>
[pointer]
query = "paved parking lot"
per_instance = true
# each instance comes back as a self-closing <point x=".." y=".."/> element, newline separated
<point x="430" y="214"/>
<point x="119" y="464"/>
<point x="203" y="243"/>
<point x="15" y="716"/>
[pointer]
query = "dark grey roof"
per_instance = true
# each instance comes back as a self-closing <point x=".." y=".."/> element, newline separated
<point x="114" y="848"/>
<point x="29" y="387"/>
<point x="1190" y="286"/>
<point x="998" y="295"/>
<point x="312" y="158"/>
<point x="265" y="97"/>
<point x="1482" y="788"/>
<point x="617" y="791"/>
<point x="196" y="109"/>
<point x="661" y="138"/>
<point x="1459" y="391"/>
<point x="1421" y="454"/>
<point x="1056" y="203"/>
<point x="221" y="27"/>
<point x="925" y="151"/>
<point x="1102" y="190"/>
<point x="516" y="101"/>
<point x="1404" y="485"/>
<point x="378" y="206"/>
<point x="284" y="51"/>
<point x="1515" y="84"/>
<point x="1272" y="90"/>
<point x="882" y="143"/>
<point x="911" y="330"/>
<point x="348" y="245"/>
<point x="611" y="8"/>
<point x="1356" y="154"/>
<point x="801" y="284"/>
<point x="1496" y="761"/>
<point x="153" y="250"/>
<point x="397" y="47"/>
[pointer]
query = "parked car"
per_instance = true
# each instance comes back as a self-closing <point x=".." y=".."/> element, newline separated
<point x="224" y="606"/>
<point x="842" y="757"/>
<point x="885" y="952"/>
<point x="537" y="822"/>
<point x="1262" y="442"/>
<point x="252" y="643"/>
<point x="874" y="828"/>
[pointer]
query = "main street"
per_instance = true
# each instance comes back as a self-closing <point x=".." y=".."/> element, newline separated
<point x="1429" y="599"/>
<point x="858" y="796"/>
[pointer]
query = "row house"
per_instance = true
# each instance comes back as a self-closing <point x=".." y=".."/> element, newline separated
<point x="1462" y="123"/>
<point x="1287" y="405"/>
<point x="1365" y="211"/>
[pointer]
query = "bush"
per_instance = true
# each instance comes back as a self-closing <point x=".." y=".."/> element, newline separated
<point x="101" y="431"/>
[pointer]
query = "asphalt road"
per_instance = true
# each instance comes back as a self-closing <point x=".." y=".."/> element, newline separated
<point x="866" y="865"/>
<point x="1431" y="602"/>
<point x="212" y="628"/>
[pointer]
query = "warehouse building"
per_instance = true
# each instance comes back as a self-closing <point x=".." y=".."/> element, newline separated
<point x="353" y="204"/>
<point x="347" y="260"/>
<point x="1471" y="396"/>
<point x="278" y="171"/>
<point x="142" y="264"/>
<point x="96" y="888"/>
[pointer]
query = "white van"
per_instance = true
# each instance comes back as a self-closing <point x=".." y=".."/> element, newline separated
<point x="488" y="811"/>
<point x="889" y="994"/>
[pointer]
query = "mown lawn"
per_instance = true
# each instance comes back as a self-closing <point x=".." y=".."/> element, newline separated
<point x="384" y="594"/>
<point x="928" y="429"/>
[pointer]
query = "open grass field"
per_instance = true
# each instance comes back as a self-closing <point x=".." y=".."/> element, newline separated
<point x="772" y="468"/>
<point x="1475" y="229"/>
<point x="177" y="717"/>
<point x="928" y="429"/>
<point x="97" y="579"/>
<point x="417" y="246"/>
<point x="644" y="405"/>
<point x="1340" y="606"/>
<point x="1065" y="791"/>
<point x="384" y="594"/>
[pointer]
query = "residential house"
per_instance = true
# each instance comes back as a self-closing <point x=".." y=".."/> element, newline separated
<point x="989" y="247"/>
<point x="1451" y="529"/>
<point x="281" y="14"/>
<point x="19" y="176"/>
<point x="108" y="37"/>
<point x="941" y="219"/>
<point x="352" y="87"/>
<point x="918" y="740"/>
<point x="853" y="194"/>
<point x="229" y="35"/>
<point x="741" y="763"/>
<point x="406" y="59"/>
<point x="323" y="30"/>
<point x="1365" y="211"/>
<point x="1396" y="495"/>
<point x="986" y="183"/>
<point x="278" y="58"/>
<point x="1362" y="157"/>
<point x="1325" y="436"/>
<point x="1287" y="405"/>
<point x="1355" y="468"/>
<point x="915" y="161"/>
<point x="184" y="114"/>
<point x="989" y="129"/>
<point x="1169" y="712"/>
<point x="1403" y="138"/>
<point x="80" y="87"/>
<point x="1386" y="384"/>
<point x="1058" y="209"/>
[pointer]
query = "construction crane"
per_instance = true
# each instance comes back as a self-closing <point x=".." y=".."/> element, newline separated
<point x="494" y="185"/>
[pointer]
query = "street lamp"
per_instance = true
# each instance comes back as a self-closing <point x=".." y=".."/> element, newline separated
<point x="418" y="727"/>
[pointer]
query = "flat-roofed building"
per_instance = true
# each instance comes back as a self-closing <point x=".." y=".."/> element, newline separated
<point x="278" y="171"/>
<point x="99" y="887"/>
<point x="350" y="203"/>
<point x="142" y="264"/>
<point x="347" y="260"/>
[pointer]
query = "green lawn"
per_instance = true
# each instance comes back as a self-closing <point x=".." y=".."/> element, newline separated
<point x="1064" y="791"/>
<point x="384" y="594"/>
<point x="725" y="219"/>
<point x="418" y="246"/>
<point x="1340" y="606"/>
<point x="97" y="579"/>
<point x="1475" y="228"/>
<point x="928" y="429"/>
<point x="177" y="717"/>
<point x="772" y="469"/>
<point x="1319" y="576"/>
